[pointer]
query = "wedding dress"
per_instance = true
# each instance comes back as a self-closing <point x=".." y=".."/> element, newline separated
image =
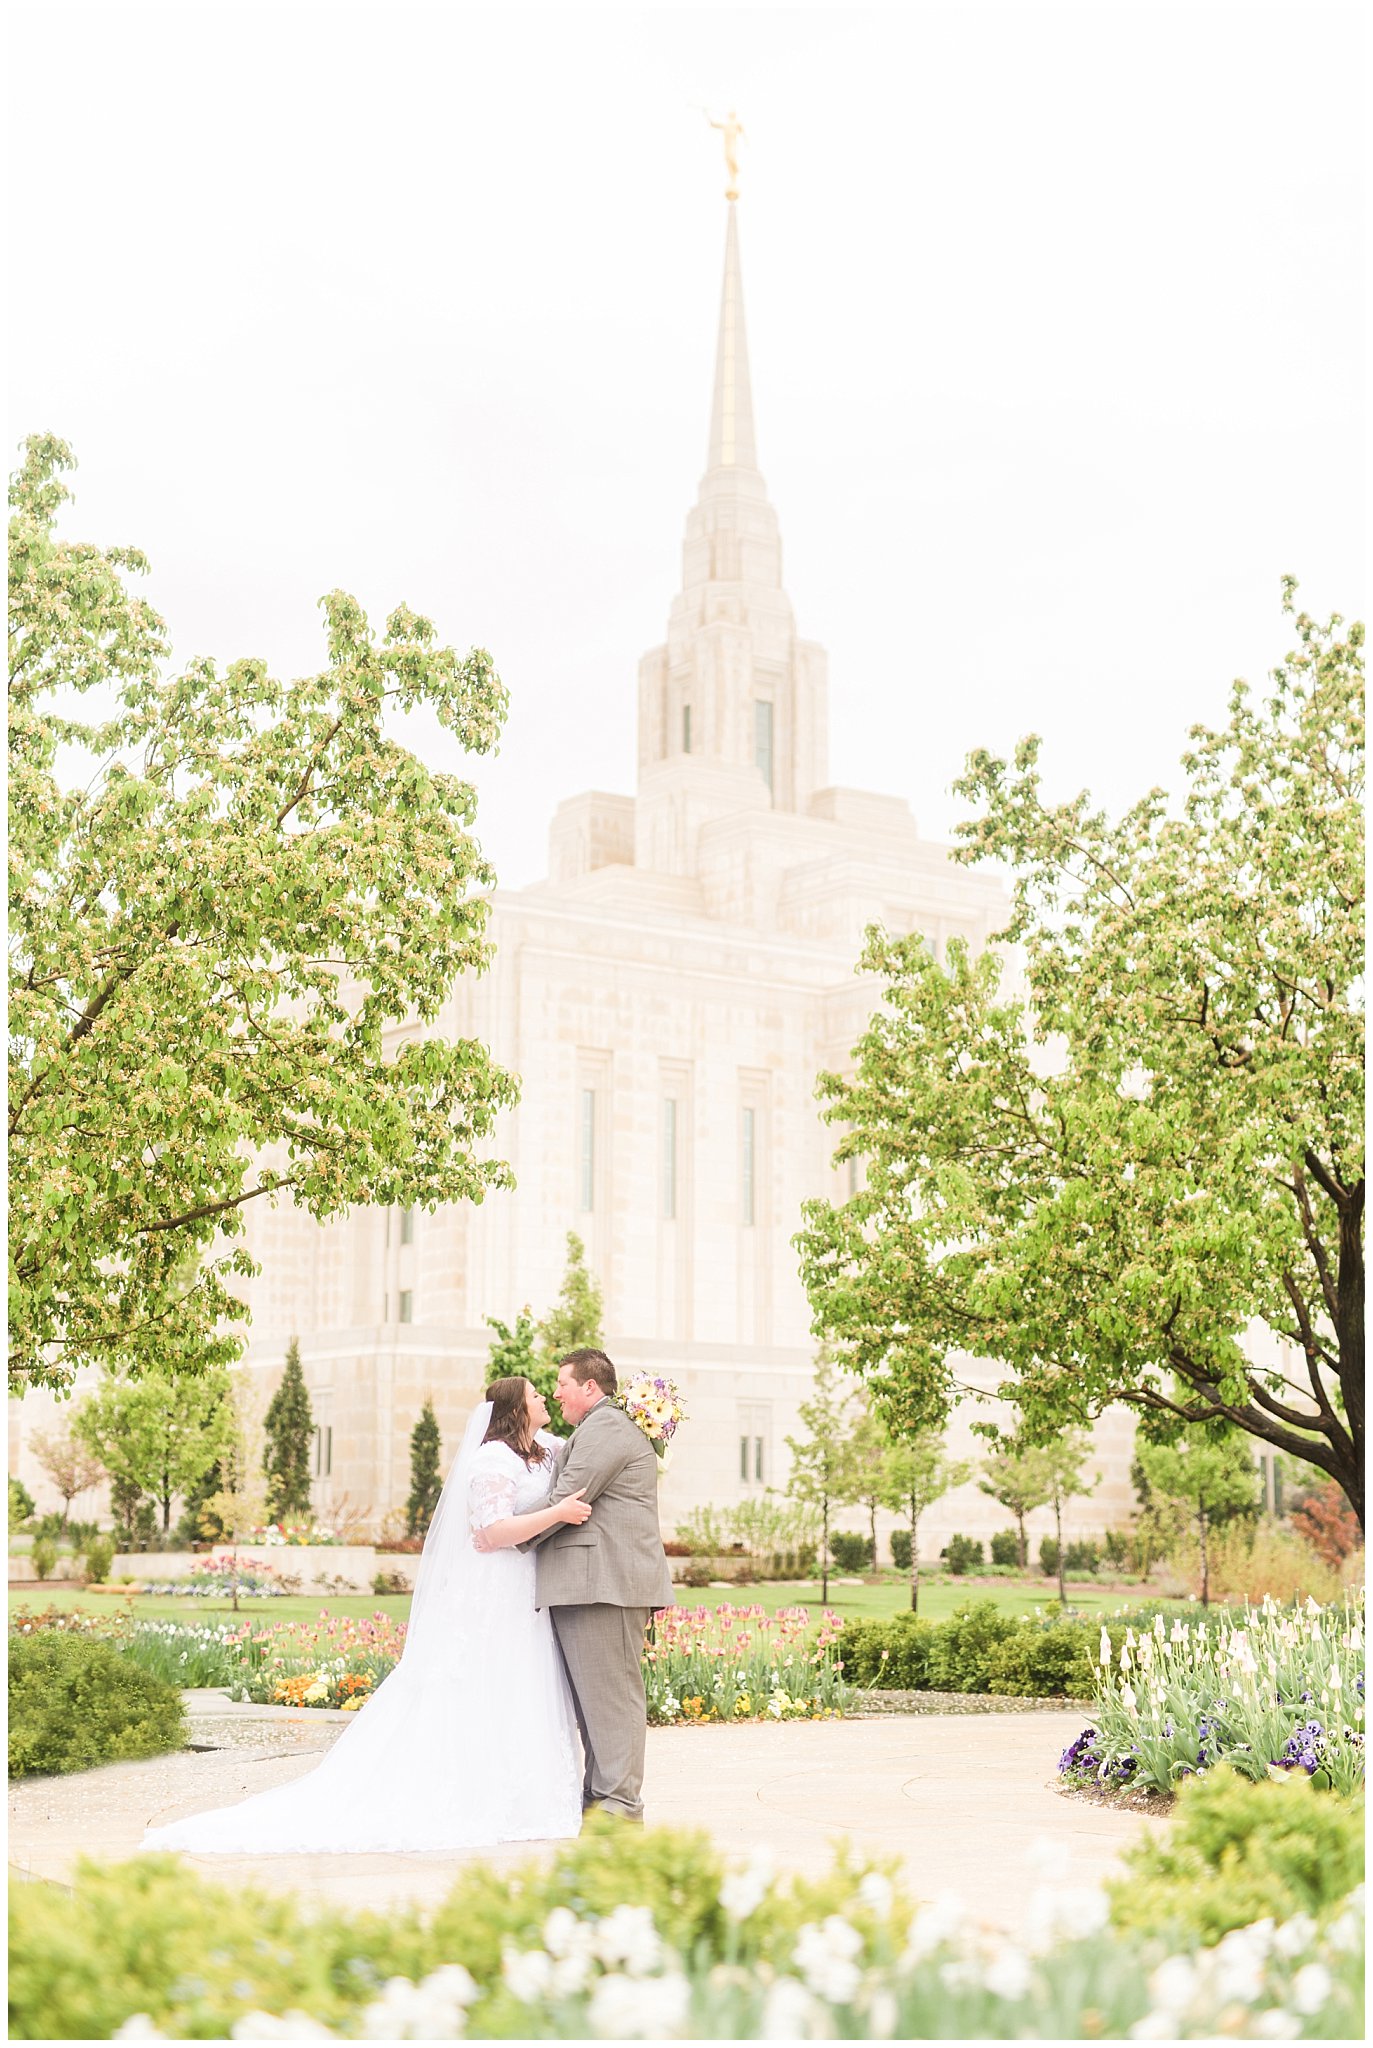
<point x="472" y="1739"/>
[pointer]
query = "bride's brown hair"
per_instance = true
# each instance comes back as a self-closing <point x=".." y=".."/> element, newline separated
<point x="509" y="1422"/>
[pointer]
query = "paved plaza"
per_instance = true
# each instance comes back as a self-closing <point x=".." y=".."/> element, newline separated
<point x="968" y="1803"/>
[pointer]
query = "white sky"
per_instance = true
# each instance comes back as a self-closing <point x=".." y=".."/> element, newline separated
<point x="1054" y="316"/>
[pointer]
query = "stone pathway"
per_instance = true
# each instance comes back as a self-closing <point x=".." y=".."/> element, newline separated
<point x="966" y="1803"/>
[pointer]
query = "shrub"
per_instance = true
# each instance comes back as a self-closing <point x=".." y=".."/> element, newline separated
<point x="75" y="1702"/>
<point x="1328" y="1523"/>
<point x="390" y="1582"/>
<point x="1048" y="1557"/>
<point x="1045" y="1658"/>
<point x="1119" y="1548"/>
<point x="1247" y="1562"/>
<point x="1005" y="1547"/>
<point x="1081" y="1557"/>
<point x="147" y="1949"/>
<point x="99" y="1558"/>
<point x="21" y="1504"/>
<point x="851" y="1553"/>
<point x="961" y="1554"/>
<point x="43" y="1556"/>
<point x="960" y="1648"/>
<point x="1236" y="1852"/>
<point x="894" y="1654"/>
<point x="901" y="1549"/>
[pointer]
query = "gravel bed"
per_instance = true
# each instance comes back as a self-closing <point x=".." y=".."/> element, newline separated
<point x="877" y="1702"/>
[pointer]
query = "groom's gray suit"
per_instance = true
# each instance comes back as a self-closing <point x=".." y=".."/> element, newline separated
<point x="601" y="1581"/>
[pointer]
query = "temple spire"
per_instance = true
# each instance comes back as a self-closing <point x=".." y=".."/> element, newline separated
<point x="732" y="443"/>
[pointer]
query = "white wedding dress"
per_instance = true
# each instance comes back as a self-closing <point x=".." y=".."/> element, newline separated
<point x="472" y="1739"/>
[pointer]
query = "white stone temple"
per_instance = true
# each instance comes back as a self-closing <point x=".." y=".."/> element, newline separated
<point x="667" y="995"/>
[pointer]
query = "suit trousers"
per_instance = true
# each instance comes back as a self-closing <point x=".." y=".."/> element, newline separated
<point x="601" y="1648"/>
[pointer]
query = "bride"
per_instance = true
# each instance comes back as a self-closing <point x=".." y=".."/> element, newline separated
<point x="472" y="1738"/>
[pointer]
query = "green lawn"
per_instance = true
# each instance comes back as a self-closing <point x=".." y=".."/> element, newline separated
<point x="872" y="1600"/>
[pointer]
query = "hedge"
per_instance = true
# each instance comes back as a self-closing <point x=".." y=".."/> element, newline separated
<point x="75" y="1702"/>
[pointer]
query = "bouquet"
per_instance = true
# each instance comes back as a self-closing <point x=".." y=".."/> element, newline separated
<point x="655" y="1405"/>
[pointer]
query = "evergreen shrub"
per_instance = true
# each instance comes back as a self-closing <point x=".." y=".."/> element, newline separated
<point x="1005" y="1547"/>
<point x="901" y="1549"/>
<point x="43" y="1556"/>
<point x="1237" y="1851"/>
<point x="21" y="1504"/>
<point x="1048" y="1557"/>
<point x="99" y="1554"/>
<point x="1081" y="1557"/>
<point x="75" y="1702"/>
<point x="962" y="1554"/>
<point x="852" y="1553"/>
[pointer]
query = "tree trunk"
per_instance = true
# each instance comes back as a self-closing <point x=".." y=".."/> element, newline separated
<point x="166" y="1501"/>
<point x="1349" y="1320"/>
<point x="872" y="1522"/>
<point x="1020" y="1527"/>
<point x="1058" y="1526"/>
<point x="1205" y="1565"/>
<point x="915" y="1559"/>
<point x="825" y="1551"/>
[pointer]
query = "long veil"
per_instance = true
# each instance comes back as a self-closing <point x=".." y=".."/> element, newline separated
<point x="448" y="1557"/>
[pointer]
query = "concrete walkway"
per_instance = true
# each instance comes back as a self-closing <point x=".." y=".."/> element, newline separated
<point x="966" y="1803"/>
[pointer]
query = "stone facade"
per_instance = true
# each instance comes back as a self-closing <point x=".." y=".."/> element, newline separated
<point x="668" y="996"/>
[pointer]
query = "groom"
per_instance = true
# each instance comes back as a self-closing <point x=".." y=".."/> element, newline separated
<point x="602" y="1580"/>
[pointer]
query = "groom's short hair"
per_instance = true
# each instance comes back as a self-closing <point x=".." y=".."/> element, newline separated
<point x="591" y="1365"/>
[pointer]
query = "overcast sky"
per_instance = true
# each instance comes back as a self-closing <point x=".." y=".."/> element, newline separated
<point x="1054" y="317"/>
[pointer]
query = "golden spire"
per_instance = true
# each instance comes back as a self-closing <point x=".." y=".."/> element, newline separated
<point x="732" y="129"/>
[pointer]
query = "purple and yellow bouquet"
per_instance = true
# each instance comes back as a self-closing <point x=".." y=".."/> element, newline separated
<point x="655" y="1405"/>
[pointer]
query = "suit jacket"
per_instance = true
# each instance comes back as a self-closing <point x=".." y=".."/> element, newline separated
<point x="617" y="1558"/>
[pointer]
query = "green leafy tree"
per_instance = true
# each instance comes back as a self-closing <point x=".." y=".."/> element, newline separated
<point x="822" y="1474"/>
<point x="290" y="1434"/>
<point x="869" y="1449"/>
<point x="212" y="928"/>
<point x="1018" y="1476"/>
<point x="916" y="1473"/>
<point x="515" y="1354"/>
<point x="1212" y="1475"/>
<point x="426" y="1481"/>
<point x="574" y="1321"/>
<point x="154" y="1436"/>
<point x="1102" y="1186"/>
<point x="1063" y="1461"/>
<point x="71" y="1465"/>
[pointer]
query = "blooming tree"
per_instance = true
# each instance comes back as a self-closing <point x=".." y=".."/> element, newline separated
<point x="216" y="923"/>
<point x="1104" y="1185"/>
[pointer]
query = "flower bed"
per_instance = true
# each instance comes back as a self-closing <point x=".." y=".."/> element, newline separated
<point x="552" y="1950"/>
<point x="1275" y="1690"/>
<point x="217" y="1578"/>
<point x="738" y="1663"/>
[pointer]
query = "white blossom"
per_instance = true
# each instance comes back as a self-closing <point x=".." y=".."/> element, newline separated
<point x="827" y="1958"/>
<point x="639" y="2008"/>
<point x="138" y="2027"/>
<point x="932" y="1926"/>
<point x="744" y="1891"/>
<point x="627" y="1938"/>
<point x="1173" y="1985"/>
<point x="1237" y="1967"/>
<point x="875" y="1892"/>
<point x="433" y="2010"/>
<point x="1276" y="2025"/>
<point x="1295" y="1935"/>
<point x="1008" y="1973"/>
<point x="789" y="2013"/>
<point x="1311" y="1988"/>
<point x="291" y="2026"/>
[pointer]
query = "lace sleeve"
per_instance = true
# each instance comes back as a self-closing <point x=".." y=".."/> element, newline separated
<point x="490" y="1497"/>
